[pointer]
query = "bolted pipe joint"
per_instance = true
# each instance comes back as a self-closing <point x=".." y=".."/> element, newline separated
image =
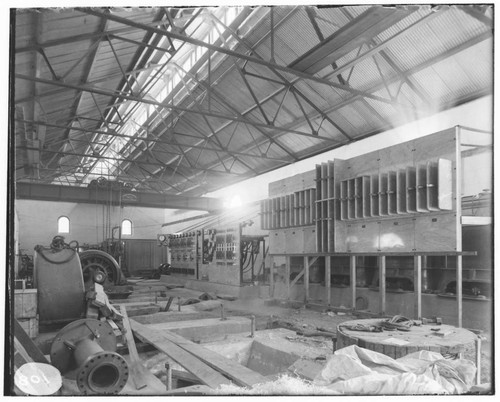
<point x="99" y="372"/>
<point x="89" y="346"/>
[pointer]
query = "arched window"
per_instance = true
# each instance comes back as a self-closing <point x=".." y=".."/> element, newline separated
<point x="127" y="227"/>
<point x="63" y="224"/>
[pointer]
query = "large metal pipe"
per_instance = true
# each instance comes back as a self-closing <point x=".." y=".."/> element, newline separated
<point x="89" y="346"/>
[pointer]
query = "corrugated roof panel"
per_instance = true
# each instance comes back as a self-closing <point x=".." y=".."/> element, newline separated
<point x="343" y="123"/>
<point x="143" y="15"/>
<point x="448" y="30"/>
<point x="408" y="96"/>
<point x="413" y="17"/>
<point x="481" y="71"/>
<point x="319" y="92"/>
<point x="372" y="117"/>
<point x="312" y="91"/>
<point x="299" y="34"/>
<point x="356" y="10"/>
<point x="454" y="77"/>
<point x="367" y="75"/>
<point x="330" y="19"/>
<point x="351" y="113"/>
<point x="66" y="23"/>
<point x="235" y="92"/>
<point x="301" y="142"/>
<point x="429" y="79"/>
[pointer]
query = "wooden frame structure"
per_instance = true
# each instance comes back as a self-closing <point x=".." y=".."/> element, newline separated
<point x="311" y="258"/>
<point x="409" y="194"/>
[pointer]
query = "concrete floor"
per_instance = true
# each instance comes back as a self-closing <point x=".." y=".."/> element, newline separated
<point x="201" y="322"/>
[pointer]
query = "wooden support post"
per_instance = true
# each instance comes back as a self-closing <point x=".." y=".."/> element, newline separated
<point x="459" y="290"/>
<point x="287" y="276"/>
<point x="328" y="284"/>
<point x="352" y="267"/>
<point x="478" y="360"/>
<point x="306" y="277"/>
<point x="417" y="280"/>
<point x="168" y="369"/>
<point x="271" y="276"/>
<point x="381" y="283"/>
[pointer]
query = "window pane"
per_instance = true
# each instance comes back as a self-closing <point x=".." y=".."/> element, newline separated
<point x="126" y="227"/>
<point x="63" y="225"/>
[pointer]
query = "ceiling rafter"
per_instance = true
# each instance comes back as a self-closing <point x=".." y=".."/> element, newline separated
<point x="229" y="52"/>
<point x="199" y="128"/>
<point x="289" y="85"/>
<point x="245" y="120"/>
<point x="100" y="91"/>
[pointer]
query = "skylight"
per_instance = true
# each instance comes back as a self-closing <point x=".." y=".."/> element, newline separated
<point x="166" y="77"/>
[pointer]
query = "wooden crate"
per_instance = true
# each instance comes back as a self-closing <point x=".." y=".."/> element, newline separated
<point x="25" y="303"/>
<point x="30" y="326"/>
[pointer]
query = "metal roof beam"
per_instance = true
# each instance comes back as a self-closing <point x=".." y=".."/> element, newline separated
<point x="93" y="195"/>
<point x="197" y="42"/>
<point x="352" y="35"/>
<point x="381" y="46"/>
<point x="479" y="13"/>
<point x="123" y="96"/>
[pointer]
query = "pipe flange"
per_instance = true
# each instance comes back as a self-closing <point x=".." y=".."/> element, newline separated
<point x="61" y="352"/>
<point x="104" y="373"/>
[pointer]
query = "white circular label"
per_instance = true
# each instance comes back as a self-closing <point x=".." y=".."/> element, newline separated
<point x="38" y="379"/>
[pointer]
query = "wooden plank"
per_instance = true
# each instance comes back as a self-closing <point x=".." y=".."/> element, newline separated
<point x="436" y="232"/>
<point x="25" y="303"/>
<point x="30" y="347"/>
<point x="383" y="206"/>
<point x="422" y="188"/>
<point x="195" y="366"/>
<point x="292" y="284"/>
<point x="392" y="193"/>
<point x="343" y="200"/>
<point x="445" y="184"/>
<point x="476" y="220"/>
<point x="366" y="196"/>
<point x="241" y="375"/>
<point x="374" y="211"/>
<point x="401" y="191"/>
<point x="135" y="362"/>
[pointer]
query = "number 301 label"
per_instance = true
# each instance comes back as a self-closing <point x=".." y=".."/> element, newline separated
<point x="38" y="379"/>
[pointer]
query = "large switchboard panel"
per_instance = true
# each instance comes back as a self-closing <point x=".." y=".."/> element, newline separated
<point x="403" y="198"/>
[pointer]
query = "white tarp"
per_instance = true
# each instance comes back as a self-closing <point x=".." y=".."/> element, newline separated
<point x="357" y="371"/>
